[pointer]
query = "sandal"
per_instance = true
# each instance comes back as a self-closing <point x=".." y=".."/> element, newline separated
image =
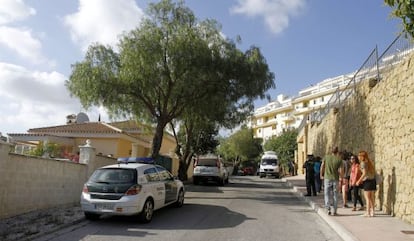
<point x="361" y="209"/>
<point x="354" y="209"/>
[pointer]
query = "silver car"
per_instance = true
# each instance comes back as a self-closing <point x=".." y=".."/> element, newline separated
<point x="210" y="168"/>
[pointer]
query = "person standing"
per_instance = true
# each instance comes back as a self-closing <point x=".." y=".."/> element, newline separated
<point x="354" y="177"/>
<point x="317" y="170"/>
<point x="345" y="180"/>
<point x="331" y="171"/>
<point x="368" y="182"/>
<point x="310" y="176"/>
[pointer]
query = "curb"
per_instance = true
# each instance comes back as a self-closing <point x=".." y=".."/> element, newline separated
<point x="339" y="229"/>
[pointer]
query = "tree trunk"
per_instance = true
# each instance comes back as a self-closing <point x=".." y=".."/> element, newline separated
<point x="157" y="140"/>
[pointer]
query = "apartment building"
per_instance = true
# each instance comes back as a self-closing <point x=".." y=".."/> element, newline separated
<point x="286" y="113"/>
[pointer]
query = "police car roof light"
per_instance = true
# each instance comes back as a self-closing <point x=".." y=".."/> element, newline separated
<point x="146" y="160"/>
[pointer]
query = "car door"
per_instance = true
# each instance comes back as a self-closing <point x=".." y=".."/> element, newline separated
<point x="170" y="185"/>
<point x="156" y="186"/>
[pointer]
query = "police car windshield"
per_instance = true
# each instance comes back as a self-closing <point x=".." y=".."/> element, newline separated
<point x="269" y="162"/>
<point x="114" y="176"/>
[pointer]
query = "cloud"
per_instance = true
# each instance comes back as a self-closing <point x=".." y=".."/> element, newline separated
<point x="14" y="10"/>
<point x="102" y="21"/>
<point x="275" y="13"/>
<point x="23" y="43"/>
<point x="19" y="83"/>
<point x="37" y="99"/>
<point x="33" y="97"/>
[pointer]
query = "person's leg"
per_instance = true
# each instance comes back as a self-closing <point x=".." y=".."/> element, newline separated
<point x="335" y="189"/>
<point x="372" y="202"/>
<point x="326" y="195"/>
<point x="367" y="196"/>
<point x="343" y="192"/>
<point x="355" y="196"/>
<point x="358" y="192"/>
<point x="308" y="186"/>
<point x="313" y="187"/>
<point x="317" y="184"/>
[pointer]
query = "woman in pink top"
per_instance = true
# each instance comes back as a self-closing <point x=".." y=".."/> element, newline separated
<point x="355" y="175"/>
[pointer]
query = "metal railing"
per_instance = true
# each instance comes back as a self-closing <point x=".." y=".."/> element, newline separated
<point x="372" y="68"/>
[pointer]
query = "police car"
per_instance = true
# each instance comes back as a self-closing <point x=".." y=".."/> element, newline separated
<point x="134" y="186"/>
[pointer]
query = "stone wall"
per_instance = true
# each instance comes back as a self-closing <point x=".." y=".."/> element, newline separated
<point x="32" y="183"/>
<point x="379" y="118"/>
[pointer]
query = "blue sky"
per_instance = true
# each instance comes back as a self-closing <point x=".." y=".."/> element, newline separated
<point x="304" y="42"/>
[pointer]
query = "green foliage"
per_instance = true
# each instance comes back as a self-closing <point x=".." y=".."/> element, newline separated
<point x="403" y="9"/>
<point x="284" y="145"/>
<point x="241" y="146"/>
<point x="173" y="68"/>
<point x="52" y="149"/>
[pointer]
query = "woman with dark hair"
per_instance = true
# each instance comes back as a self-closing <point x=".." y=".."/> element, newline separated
<point x="355" y="175"/>
<point x="367" y="179"/>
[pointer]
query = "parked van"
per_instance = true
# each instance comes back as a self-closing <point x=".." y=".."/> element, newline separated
<point x="269" y="165"/>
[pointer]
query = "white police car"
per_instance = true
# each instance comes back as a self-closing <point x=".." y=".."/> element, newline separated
<point x="134" y="186"/>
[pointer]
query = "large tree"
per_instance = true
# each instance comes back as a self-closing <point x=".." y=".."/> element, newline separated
<point x="403" y="9"/>
<point x="171" y="63"/>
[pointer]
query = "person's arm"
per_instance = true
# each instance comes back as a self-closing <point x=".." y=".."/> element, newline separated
<point x="364" y="173"/>
<point x="322" y="172"/>
<point x="341" y="172"/>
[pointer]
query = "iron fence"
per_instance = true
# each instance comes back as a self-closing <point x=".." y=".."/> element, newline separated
<point x="373" y="68"/>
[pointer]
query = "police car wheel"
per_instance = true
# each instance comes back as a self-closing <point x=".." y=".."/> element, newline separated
<point x="147" y="211"/>
<point x="180" y="199"/>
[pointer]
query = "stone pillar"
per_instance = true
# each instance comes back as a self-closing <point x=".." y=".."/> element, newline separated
<point x="134" y="151"/>
<point x="87" y="153"/>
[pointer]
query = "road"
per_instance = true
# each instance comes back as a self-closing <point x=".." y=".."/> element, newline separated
<point x="247" y="209"/>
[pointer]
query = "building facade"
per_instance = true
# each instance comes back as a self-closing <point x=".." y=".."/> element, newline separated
<point x="286" y="113"/>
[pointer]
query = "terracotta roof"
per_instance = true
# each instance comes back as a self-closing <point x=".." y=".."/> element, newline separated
<point x="89" y="127"/>
<point x="129" y="127"/>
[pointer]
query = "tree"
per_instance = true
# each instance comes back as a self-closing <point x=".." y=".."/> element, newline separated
<point x="284" y="145"/>
<point x="194" y="136"/>
<point x="405" y="10"/>
<point x="241" y="146"/>
<point x="171" y="63"/>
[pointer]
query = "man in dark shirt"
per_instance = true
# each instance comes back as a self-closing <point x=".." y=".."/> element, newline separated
<point x="310" y="176"/>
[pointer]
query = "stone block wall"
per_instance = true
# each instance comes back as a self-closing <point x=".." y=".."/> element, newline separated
<point x="379" y="119"/>
<point x="31" y="183"/>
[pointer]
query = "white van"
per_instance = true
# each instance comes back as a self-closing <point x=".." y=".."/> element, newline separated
<point x="269" y="165"/>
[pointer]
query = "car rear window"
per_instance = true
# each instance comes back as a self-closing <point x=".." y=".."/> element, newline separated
<point x="108" y="175"/>
<point x="207" y="162"/>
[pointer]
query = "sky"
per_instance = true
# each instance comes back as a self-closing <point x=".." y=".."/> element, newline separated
<point x="303" y="41"/>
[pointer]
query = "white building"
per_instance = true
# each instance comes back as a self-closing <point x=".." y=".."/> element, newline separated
<point x="286" y="113"/>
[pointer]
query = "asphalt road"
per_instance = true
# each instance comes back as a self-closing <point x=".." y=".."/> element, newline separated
<point x="247" y="209"/>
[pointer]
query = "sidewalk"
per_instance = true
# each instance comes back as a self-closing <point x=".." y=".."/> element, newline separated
<point x="351" y="225"/>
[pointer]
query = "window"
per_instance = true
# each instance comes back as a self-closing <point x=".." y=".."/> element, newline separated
<point x="164" y="174"/>
<point x="151" y="174"/>
<point x="109" y="176"/>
